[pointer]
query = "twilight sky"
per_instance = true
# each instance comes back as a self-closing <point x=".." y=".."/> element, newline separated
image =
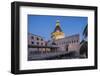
<point x="43" y="25"/>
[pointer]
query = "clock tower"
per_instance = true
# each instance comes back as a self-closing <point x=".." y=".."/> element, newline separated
<point x="57" y="33"/>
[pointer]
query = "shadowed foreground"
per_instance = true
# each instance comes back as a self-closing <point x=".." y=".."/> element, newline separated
<point x="54" y="55"/>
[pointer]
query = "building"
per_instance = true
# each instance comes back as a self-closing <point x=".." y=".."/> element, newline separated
<point x="57" y="33"/>
<point x="68" y="43"/>
<point x="36" y="40"/>
<point x="59" y="44"/>
<point x="37" y="45"/>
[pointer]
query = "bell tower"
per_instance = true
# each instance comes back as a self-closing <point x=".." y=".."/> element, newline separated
<point x="57" y="33"/>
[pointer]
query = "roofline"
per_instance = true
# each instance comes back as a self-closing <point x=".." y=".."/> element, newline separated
<point x="69" y="36"/>
<point x="35" y="35"/>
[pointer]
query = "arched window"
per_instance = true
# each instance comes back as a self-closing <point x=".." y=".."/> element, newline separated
<point x="37" y="38"/>
<point x="32" y="42"/>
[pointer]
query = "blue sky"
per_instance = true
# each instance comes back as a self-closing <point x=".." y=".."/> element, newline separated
<point x="43" y="25"/>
